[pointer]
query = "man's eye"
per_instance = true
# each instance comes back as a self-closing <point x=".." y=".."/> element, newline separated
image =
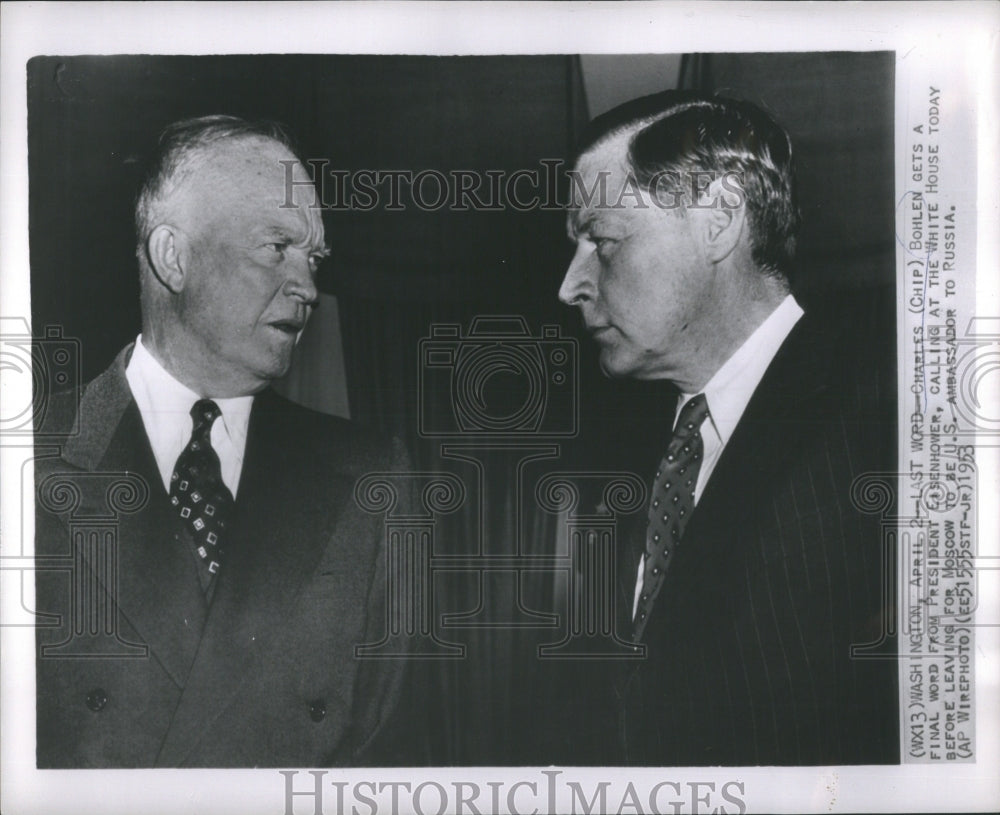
<point x="315" y="260"/>
<point x="277" y="246"/>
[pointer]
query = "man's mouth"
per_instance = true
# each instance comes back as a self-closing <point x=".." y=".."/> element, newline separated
<point x="290" y="327"/>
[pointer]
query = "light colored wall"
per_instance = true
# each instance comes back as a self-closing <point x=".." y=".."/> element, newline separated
<point x="317" y="378"/>
<point x="610" y="79"/>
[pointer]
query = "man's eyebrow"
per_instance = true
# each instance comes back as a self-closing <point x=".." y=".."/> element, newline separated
<point x="578" y="221"/>
<point x="322" y="249"/>
<point x="275" y="232"/>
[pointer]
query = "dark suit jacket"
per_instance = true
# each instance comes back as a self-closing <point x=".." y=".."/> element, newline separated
<point x="265" y="673"/>
<point x="777" y="575"/>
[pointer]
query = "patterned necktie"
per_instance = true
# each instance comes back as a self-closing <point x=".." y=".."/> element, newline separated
<point x="197" y="489"/>
<point x="671" y="503"/>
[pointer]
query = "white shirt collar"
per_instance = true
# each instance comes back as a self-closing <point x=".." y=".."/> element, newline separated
<point x="165" y="405"/>
<point x="729" y="391"/>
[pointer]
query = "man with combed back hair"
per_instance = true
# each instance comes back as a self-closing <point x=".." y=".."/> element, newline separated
<point x="753" y="582"/>
<point x="245" y="575"/>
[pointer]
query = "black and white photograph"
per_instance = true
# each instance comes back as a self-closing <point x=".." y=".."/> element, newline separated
<point x="420" y="419"/>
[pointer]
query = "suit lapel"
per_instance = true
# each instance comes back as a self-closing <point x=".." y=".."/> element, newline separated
<point x="284" y="522"/>
<point x="631" y="542"/>
<point x="157" y="585"/>
<point x="776" y="423"/>
<point x="159" y="591"/>
<point x="774" y="426"/>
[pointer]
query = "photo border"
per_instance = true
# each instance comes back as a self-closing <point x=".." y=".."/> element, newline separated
<point x="956" y="41"/>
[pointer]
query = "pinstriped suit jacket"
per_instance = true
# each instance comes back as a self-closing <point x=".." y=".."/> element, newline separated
<point x="778" y="574"/>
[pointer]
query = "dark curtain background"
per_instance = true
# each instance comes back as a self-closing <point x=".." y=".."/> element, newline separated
<point x="838" y="109"/>
<point x="395" y="274"/>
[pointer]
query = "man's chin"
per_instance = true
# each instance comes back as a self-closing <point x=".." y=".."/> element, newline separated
<point x="274" y="368"/>
<point x="613" y="366"/>
<point x="275" y="373"/>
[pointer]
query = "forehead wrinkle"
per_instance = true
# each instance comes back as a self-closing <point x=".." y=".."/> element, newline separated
<point x="243" y="187"/>
<point x="606" y="176"/>
<point x="301" y="224"/>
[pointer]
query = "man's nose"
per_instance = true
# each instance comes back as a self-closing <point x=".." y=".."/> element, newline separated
<point x="301" y="283"/>
<point x="578" y="283"/>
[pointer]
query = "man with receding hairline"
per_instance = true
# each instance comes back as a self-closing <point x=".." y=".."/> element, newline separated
<point x="753" y="578"/>
<point x="226" y="271"/>
<point x="247" y="578"/>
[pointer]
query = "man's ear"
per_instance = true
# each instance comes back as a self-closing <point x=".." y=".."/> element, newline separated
<point x="721" y="218"/>
<point x="164" y="250"/>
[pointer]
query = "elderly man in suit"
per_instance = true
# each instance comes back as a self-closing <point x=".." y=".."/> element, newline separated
<point x="245" y="575"/>
<point x="753" y="575"/>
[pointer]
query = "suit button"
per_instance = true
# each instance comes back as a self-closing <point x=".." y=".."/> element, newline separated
<point x="97" y="699"/>
<point x="317" y="710"/>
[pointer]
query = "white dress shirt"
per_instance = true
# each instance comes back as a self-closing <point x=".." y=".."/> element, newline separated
<point x="165" y="405"/>
<point x="728" y="393"/>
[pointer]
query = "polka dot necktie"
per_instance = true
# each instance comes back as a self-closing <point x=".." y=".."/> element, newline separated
<point x="197" y="490"/>
<point x="671" y="503"/>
